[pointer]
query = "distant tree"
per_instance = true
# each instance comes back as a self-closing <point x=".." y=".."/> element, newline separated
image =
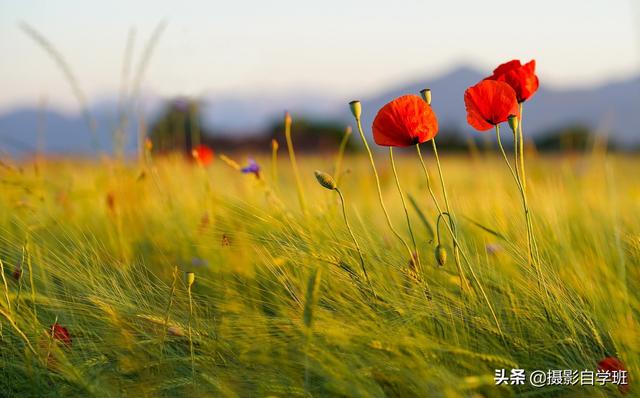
<point x="575" y="137"/>
<point x="177" y="128"/>
<point x="451" y="138"/>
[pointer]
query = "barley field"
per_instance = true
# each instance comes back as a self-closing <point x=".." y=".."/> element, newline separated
<point x="166" y="278"/>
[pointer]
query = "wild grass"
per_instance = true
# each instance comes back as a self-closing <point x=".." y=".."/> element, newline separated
<point x="280" y="306"/>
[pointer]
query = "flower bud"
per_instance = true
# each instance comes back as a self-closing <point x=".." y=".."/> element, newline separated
<point x="274" y="144"/>
<point x="356" y="109"/>
<point x="426" y="95"/>
<point x="191" y="277"/>
<point x="513" y="123"/>
<point x="325" y="180"/>
<point x="441" y="255"/>
<point x="287" y="119"/>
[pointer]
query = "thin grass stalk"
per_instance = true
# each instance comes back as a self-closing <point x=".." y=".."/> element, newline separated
<point x="31" y="283"/>
<point x="274" y="163"/>
<point x="311" y="297"/>
<point x="168" y="310"/>
<point x="6" y="287"/>
<point x="337" y="172"/>
<point x="136" y="85"/>
<point x="22" y="335"/>
<point x="294" y="164"/>
<point x="51" y="341"/>
<point x="190" y="280"/>
<point x="70" y="77"/>
<point x="121" y="131"/>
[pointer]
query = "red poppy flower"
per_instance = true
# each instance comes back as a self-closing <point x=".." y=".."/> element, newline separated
<point x="203" y="155"/>
<point x="490" y="103"/>
<point x="521" y="78"/>
<point x="405" y="121"/>
<point x="613" y="364"/>
<point x="61" y="334"/>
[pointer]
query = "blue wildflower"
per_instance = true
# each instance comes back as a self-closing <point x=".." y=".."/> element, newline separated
<point x="252" y="168"/>
<point x="199" y="262"/>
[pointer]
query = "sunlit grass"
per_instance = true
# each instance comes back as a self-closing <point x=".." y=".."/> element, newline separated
<point x="280" y="306"/>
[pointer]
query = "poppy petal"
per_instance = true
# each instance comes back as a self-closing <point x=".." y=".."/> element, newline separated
<point x="521" y="78"/>
<point x="489" y="103"/>
<point x="405" y="121"/>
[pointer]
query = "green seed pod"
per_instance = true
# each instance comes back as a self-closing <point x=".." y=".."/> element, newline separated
<point x="441" y="255"/>
<point x="325" y="180"/>
<point x="513" y="123"/>
<point x="426" y="95"/>
<point x="356" y="108"/>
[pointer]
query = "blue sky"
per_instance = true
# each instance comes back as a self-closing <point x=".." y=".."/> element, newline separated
<point x="334" y="47"/>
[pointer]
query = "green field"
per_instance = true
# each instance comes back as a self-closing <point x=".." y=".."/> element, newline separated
<point x="280" y="306"/>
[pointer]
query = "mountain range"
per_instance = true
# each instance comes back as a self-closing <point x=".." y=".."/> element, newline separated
<point x="611" y="108"/>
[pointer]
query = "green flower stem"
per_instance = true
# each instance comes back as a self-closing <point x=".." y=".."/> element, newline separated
<point x="384" y="208"/>
<point x="193" y="366"/>
<point x="404" y="206"/>
<point x="464" y="256"/>
<point x="464" y="285"/>
<point x="532" y="259"/>
<point x="355" y="241"/>
<point x="521" y="150"/>
<point x="456" y="249"/>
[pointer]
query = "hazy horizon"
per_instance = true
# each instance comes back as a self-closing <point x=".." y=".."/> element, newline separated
<point x="246" y="48"/>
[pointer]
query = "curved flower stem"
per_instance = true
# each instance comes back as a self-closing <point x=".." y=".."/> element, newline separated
<point x="464" y="285"/>
<point x="531" y="252"/>
<point x="456" y="249"/>
<point x="355" y="241"/>
<point x="384" y="208"/>
<point x="440" y="217"/>
<point x="404" y="206"/>
<point x="462" y="253"/>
